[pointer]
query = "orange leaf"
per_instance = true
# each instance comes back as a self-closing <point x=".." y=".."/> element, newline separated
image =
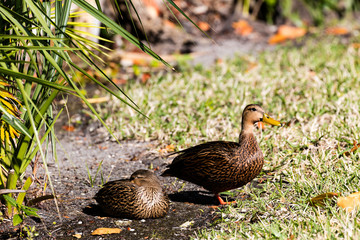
<point x="320" y="198"/>
<point x="291" y="32"/>
<point x="277" y="38"/>
<point x="103" y="231"/>
<point x="251" y="66"/>
<point x="145" y="77"/>
<point x="204" y="26"/>
<point x="168" y="148"/>
<point x="355" y="45"/>
<point x="287" y="32"/>
<point x="169" y="24"/>
<point x="119" y="81"/>
<point x="152" y="8"/>
<point x="349" y="202"/>
<point x="242" y="27"/>
<point x="68" y="128"/>
<point x="336" y="31"/>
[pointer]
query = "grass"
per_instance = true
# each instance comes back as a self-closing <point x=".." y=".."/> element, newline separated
<point x="314" y="88"/>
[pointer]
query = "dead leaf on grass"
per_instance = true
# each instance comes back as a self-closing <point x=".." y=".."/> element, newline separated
<point x="242" y="27"/>
<point x="68" y="128"/>
<point x="104" y="231"/>
<point x="350" y="202"/>
<point x="319" y="200"/>
<point x="286" y="32"/>
<point x="78" y="236"/>
<point x="145" y="77"/>
<point x="204" y="26"/>
<point x="355" y="45"/>
<point x="168" y="148"/>
<point x="277" y="38"/>
<point x="336" y="31"/>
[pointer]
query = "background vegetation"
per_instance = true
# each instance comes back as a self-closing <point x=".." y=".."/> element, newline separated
<point x="312" y="89"/>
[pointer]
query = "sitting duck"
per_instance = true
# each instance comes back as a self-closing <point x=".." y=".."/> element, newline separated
<point x="220" y="165"/>
<point x="139" y="197"/>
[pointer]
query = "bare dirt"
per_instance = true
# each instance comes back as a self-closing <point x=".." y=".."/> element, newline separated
<point x="80" y="151"/>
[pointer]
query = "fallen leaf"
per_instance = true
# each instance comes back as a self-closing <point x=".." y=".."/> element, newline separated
<point x="219" y="61"/>
<point x="349" y="202"/>
<point x="68" y="128"/>
<point x="242" y="27"/>
<point x="356" y="146"/>
<point x="78" y="235"/>
<point x="251" y="66"/>
<point x="204" y="26"/>
<point x="168" y="148"/>
<point x="355" y="45"/>
<point x="286" y="32"/>
<point x="291" y="32"/>
<point x="119" y="81"/>
<point x="145" y="77"/>
<point x="169" y="24"/>
<point x="336" y="31"/>
<point x="319" y="200"/>
<point x="152" y="8"/>
<point x="103" y="231"/>
<point x="277" y="38"/>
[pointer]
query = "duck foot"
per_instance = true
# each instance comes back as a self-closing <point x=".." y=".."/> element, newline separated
<point x="222" y="202"/>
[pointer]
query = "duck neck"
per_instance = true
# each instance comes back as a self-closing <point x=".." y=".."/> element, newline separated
<point x="247" y="137"/>
<point x="246" y="129"/>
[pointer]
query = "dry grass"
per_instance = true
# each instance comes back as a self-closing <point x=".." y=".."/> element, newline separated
<point x="315" y="88"/>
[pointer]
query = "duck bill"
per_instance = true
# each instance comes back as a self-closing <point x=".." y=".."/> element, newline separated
<point x="267" y="119"/>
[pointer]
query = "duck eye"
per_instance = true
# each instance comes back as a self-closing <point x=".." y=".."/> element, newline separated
<point x="253" y="109"/>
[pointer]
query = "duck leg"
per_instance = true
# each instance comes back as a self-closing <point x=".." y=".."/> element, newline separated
<point x="221" y="201"/>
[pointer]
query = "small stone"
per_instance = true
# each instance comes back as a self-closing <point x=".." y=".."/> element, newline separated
<point x="124" y="222"/>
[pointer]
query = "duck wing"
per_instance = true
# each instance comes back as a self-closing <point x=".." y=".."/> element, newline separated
<point x="199" y="161"/>
<point x="117" y="198"/>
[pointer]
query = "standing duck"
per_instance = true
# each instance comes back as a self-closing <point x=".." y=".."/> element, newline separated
<point x="139" y="197"/>
<point x="220" y="166"/>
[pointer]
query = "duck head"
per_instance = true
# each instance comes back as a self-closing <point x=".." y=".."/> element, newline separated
<point x="252" y="114"/>
<point x="145" y="178"/>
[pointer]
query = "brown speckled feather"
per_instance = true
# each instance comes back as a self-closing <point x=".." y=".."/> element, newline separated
<point x="124" y="198"/>
<point x="220" y="166"/>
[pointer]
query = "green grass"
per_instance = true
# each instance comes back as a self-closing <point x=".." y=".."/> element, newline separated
<point x="314" y="87"/>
